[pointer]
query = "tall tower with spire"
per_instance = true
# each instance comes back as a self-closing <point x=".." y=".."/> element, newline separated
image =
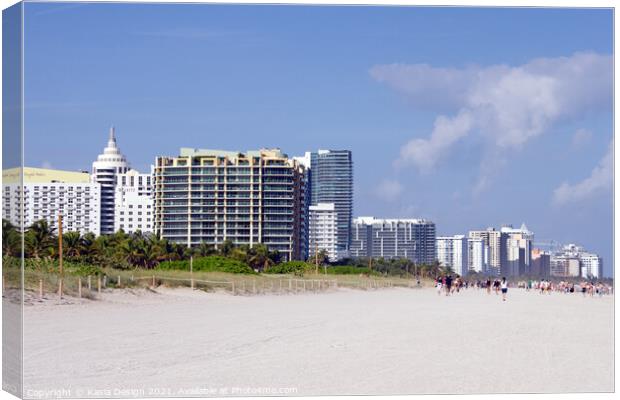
<point x="108" y="164"/>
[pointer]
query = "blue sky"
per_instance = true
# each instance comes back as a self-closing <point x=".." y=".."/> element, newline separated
<point x="469" y="117"/>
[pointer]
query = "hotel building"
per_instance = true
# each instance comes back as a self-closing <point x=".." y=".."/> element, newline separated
<point x="394" y="238"/>
<point x="477" y="255"/>
<point x="518" y="250"/>
<point x="211" y="196"/>
<point x="48" y="193"/>
<point x="496" y="243"/>
<point x="109" y="163"/>
<point x="133" y="202"/>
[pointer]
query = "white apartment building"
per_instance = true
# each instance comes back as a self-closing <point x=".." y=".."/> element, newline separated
<point x="477" y="255"/>
<point x="452" y="252"/>
<point x="591" y="265"/>
<point x="495" y="241"/>
<point x="518" y="250"/>
<point x="109" y="163"/>
<point x="133" y="202"/>
<point x="322" y="232"/>
<point x="48" y="193"/>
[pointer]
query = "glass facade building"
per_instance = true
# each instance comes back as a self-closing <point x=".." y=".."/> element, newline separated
<point x="331" y="181"/>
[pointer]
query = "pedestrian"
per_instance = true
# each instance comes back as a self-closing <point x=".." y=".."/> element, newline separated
<point x="504" y="286"/>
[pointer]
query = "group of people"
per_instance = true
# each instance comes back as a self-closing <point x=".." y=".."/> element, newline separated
<point x="448" y="285"/>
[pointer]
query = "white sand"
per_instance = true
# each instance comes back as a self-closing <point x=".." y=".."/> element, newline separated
<point x="395" y="341"/>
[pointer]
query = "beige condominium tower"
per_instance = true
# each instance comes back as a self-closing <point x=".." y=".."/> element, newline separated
<point x="209" y="196"/>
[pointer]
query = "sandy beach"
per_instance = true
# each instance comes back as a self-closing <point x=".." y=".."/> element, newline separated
<point x="392" y="341"/>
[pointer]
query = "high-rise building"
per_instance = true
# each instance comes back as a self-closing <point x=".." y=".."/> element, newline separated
<point x="109" y="163"/>
<point x="48" y="193"/>
<point x="248" y="198"/>
<point x="323" y="230"/>
<point x="591" y="266"/>
<point x="496" y="243"/>
<point x="331" y="181"/>
<point x="394" y="238"/>
<point x="541" y="263"/>
<point x="518" y="250"/>
<point x="452" y="252"/>
<point x="133" y="198"/>
<point x="565" y="265"/>
<point x="478" y="255"/>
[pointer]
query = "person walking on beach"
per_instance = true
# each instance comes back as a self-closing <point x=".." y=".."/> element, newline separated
<point x="438" y="285"/>
<point x="504" y="286"/>
<point x="496" y="286"/>
<point x="448" y="284"/>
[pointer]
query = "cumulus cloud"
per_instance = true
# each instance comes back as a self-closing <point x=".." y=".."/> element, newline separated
<point x="506" y="105"/>
<point x="389" y="189"/>
<point x="600" y="179"/>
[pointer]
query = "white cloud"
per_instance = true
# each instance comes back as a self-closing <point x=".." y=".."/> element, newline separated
<point x="389" y="189"/>
<point x="600" y="179"/>
<point x="505" y="105"/>
<point x="581" y="137"/>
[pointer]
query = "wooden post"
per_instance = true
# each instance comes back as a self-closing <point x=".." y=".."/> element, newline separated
<point x="280" y="285"/>
<point x="243" y="286"/>
<point x="80" y="287"/>
<point x="304" y="283"/>
<point x="118" y="282"/>
<point x="191" y="271"/>
<point x="61" y="271"/>
<point x="105" y="281"/>
<point x="89" y="284"/>
<point x="254" y="286"/>
<point x="233" y="287"/>
<point x="290" y="285"/>
<point x="40" y="288"/>
<point x="98" y="283"/>
<point x="153" y="281"/>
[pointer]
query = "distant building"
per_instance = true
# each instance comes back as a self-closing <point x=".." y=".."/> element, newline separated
<point x="477" y="255"/>
<point x="48" y="193"/>
<point x="108" y="164"/>
<point x="394" y="238"/>
<point x="541" y="263"/>
<point x="518" y="250"/>
<point x="574" y="260"/>
<point x="331" y="181"/>
<point x="133" y="202"/>
<point x="323" y="236"/>
<point x="452" y="252"/>
<point x="495" y="241"/>
<point x="248" y="198"/>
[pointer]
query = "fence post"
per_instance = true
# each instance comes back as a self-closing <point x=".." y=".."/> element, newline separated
<point x="233" y="287"/>
<point x="304" y="281"/>
<point x="153" y="281"/>
<point x="80" y="287"/>
<point x="105" y="281"/>
<point x="280" y="285"/>
<point x="243" y="286"/>
<point x="89" y="284"/>
<point x="119" y="281"/>
<point x="290" y="284"/>
<point x="98" y="283"/>
<point x="60" y="289"/>
<point x="254" y="286"/>
<point x="40" y="288"/>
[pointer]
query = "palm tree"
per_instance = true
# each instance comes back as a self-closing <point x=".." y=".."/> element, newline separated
<point x="226" y="247"/>
<point x="204" y="249"/>
<point x="259" y="257"/>
<point x="72" y="244"/>
<point x="11" y="240"/>
<point x="39" y="239"/>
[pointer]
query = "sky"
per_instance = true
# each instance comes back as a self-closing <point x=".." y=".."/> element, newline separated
<point x="470" y="117"/>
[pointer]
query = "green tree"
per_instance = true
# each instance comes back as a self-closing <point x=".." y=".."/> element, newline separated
<point x="39" y="239"/>
<point x="259" y="257"/>
<point x="11" y="240"/>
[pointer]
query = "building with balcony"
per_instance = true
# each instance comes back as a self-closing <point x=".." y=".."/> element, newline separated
<point x="452" y="252"/>
<point x="323" y="236"/>
<point x="48" y="193"/>
<point x="394" y="238"/>
<point x="248" y="198"/>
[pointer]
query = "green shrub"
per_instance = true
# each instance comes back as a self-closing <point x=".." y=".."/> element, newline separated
<point x="350" y="270"/>
<point x="209" y="264"/>
<point x="290" y="267"/>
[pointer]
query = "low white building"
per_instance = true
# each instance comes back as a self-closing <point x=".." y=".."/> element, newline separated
<point x="48" y="193"/>
<point x="452" y="252"/>
<point x="322" y="231"/>
<point x="133" y="202"/>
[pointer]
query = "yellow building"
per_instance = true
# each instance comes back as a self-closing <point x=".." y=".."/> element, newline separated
<point x="43" y="175"/>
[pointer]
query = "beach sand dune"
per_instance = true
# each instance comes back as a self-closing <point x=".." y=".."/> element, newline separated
<point x="395" y="341"/>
